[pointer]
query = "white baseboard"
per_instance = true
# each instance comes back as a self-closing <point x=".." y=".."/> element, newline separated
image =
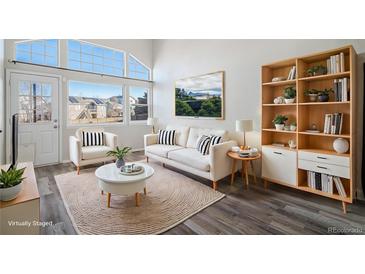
<point x="137" y="149"/>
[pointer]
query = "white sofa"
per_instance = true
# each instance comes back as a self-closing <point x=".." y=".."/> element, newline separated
<point x="185" y="156"/>
<point x="86" y="155"/>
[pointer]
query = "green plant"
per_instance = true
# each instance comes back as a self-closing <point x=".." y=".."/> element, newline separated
<point x="11" y="178"/>
<point x="280" y="119"/>
<point x="290" y="93"/>
<point x="319" y="69"/>
<point x="311" y="91"/>
<point x="119" y="153"/>
<point x="325" y="91"/>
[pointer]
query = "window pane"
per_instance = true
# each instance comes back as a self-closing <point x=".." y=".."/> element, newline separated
<point x="94" y="103"/>
<point x="86" y="66"/>
<point x="22" y="47"/>
<point x="86" y="48"/>
<point x="52" y="43"/>
<point x="51" y="61"/>
<point x="36" y="89"/>
<point x="44" y="52"/>
<point x="38" y="47"/>
<point x="138" y="100"/>
<point x="137" y="70"/>
<point x="74" y="55"/>
<point x="46" y="90"/>
<point x="73" y="45"/>
<point x="23" y="56"/>
<point x="74" y="65"/>
<point x="24" y="88"/>
<point x="86" y="58"/>
<point x="51" y="51"/>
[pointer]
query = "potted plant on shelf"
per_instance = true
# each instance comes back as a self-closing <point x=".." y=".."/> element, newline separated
<point x="279" y="121"/>
<point x="119" y="153"/>
<point x="323" y="95"/>
<point x="312" y="94"/>
<point x="316" y="70"/>
<point x="11" y="183"/>
<point x="293" y="126"/>
<point x="289" y="95"/>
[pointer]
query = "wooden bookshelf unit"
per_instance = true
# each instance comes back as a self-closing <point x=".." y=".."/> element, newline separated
<point x="314" y="150"/>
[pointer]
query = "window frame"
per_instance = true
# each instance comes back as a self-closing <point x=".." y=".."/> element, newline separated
<point x="143" y="64"/>
<point x="71" y="125"/>
<point x="124" y="65"/>
<point x="31" y="40"/>
<point x="149" y="105"/>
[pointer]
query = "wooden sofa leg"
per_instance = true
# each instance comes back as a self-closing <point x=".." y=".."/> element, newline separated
<point x="147" y="159"/>
<point x="215" y="185"/>
<point x="163" y="164"/>
<point x="78" y="170"/>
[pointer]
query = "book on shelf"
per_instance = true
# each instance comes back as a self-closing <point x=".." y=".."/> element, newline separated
<point x="324" y="182"/>
<point x="333" y="123"/>
<point x="292" y="73"/>
<point x="340" y="89"/>
<point x="336" y="63"/>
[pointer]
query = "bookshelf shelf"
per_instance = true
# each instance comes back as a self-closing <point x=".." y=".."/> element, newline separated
<point x="280" y="83"/>
<point x="326" y="76"/>
<point x="325" y="135"/>
<point x="324" y="103"/>
<point x="306" y="114"/>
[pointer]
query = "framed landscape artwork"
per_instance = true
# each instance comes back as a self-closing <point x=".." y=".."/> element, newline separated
<point x="200" y="96"/>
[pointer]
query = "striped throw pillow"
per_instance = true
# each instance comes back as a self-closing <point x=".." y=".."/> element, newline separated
<point x="203" y="144"/>
<point x="90" y="138"/>
<point x="215" y="140"/>
<point x="166" y="137"/>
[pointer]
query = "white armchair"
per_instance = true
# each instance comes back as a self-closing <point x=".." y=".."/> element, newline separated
<point x="86" y="155"/>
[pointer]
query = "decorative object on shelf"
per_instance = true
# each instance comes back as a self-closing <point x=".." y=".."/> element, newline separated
<point x="254" y="152"/>
<point x="323" y="95"/>
<point x="279" y="100"/>
<point x="292" y="73"/>
<point x="287" y="128"/>
<point x="244" y="126"/>
<point x="293" y="126"/>
<point x="11" y="183"/>
<point x="200" y="96"/>
<point x="152" y="122"/>
<point x="279" y="121"/>
<point x="312" y="94"/>
<point x="278" y="79"/>
<point x="292" y="144"/>
<point x="235" y="149"/>
<point x="313" y="129"/>
<point x="278" y="145"/>
<point x="316" y="70"/>
<point x="119" y="153"/>
<point x="340" y="145"/>
<point x="289" y="94"/>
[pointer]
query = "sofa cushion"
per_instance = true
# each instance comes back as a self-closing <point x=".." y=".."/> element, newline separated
<point x="166" y="137"/>
<point x="181" y="135"/>
<point x="94" y="152"/>
<point x="161" y="150"/>
<point x="195" y="133"/>
<point x="190" y="157"/>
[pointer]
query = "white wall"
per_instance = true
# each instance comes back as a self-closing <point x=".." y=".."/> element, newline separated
<point x="131" y="135"/>
<point x="240" y="59"/>
<point x="2" y="102"/>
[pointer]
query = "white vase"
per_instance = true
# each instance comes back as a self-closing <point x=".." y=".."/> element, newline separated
<point x="293" y="128"/>
<point x="10" y="193"/>
<point x="289" y="101"/>
<point x="279" y="126"/>
<point x="340" y="145"/>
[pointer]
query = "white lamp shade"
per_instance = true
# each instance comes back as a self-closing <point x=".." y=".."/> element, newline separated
<point x="244" y="125"/>
<point x="152" y="121"/>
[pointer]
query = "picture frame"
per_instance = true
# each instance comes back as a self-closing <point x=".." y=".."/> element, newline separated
<point x="200" y="97"/>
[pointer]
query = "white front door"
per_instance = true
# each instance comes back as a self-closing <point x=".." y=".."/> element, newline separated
<point x="35" y="98"/>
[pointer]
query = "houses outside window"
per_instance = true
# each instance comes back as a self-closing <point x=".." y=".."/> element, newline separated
<point x="138" y="103"/>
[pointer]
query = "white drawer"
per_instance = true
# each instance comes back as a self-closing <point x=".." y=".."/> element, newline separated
<point x="324" y="158"/>
<point x="335" y="170"/>
<point x="279" y="164"/>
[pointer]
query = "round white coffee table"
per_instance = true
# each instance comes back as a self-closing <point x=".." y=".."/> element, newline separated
<point x="112" y="181"/>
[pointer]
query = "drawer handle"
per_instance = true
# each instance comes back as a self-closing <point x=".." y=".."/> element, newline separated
<point x="278" y="153"/>
<point x="323" y="158"/>
<point x="322" y="167"/>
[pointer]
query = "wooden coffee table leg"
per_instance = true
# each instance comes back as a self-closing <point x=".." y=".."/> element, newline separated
<point x="102" y="192"/>
<point x="243" y="172"/>
<point x="253" y="172"/>
<point x="137" y="198"/>
<point x="233" y="170"/>
<point x="109" y="195"/>
<point x="246" y="172"/>
<point x="145" y="191"/>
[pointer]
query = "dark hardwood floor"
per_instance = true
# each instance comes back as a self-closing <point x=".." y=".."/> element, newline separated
<point x="277" y="210"/>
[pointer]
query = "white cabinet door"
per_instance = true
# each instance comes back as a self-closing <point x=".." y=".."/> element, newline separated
<point x="280" y="165"/>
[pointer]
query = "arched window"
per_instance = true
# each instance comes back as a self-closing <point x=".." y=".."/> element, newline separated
<point x="137" y="70"/>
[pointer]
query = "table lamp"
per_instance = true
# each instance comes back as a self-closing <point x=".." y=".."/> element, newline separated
<point x="244" y="126"/>
<point x="152" y="122"/>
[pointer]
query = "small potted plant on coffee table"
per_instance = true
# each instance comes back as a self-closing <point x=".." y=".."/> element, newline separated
<point x="316" y="70"/>
<point x="119" y="153"/>
<point x="289" y="95"/>
<point x="11" y="183"/>
<point x="279" y="121"/>
<point x="323" y="95"/>
<point x="312" y="94"/>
